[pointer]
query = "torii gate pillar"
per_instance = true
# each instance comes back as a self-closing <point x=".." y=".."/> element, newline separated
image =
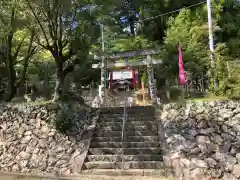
<point x="151" y="80"/>
<point x="102" y="87"/>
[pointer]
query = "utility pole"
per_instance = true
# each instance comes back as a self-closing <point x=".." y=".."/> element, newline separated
<point x="211" y="43"/>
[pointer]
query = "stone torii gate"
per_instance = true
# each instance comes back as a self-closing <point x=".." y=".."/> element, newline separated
<point x="113" y="61"/>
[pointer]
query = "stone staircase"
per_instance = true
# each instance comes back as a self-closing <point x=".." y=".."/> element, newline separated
<point x="141" y="152"/>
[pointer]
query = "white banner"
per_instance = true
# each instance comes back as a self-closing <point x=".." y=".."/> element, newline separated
<point x="121" y="75"/>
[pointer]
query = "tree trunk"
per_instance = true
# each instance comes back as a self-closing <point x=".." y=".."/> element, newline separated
<point x="59" y="83"/>
<point x="11" y="89"/>
<point x="10" y="64"/>
<point x="20" y="86"/>
<point x="31" y="50"/>
<point x="24" y="72"/>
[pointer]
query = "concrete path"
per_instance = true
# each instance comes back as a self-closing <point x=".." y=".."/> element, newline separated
<point x="5" y="177"/>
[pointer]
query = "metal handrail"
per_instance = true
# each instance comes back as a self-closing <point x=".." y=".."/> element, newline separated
<point x="123" y="129"/>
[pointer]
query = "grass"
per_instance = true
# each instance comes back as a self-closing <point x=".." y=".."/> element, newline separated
<point x="208" y="97"/>
<point x="205" y="98"/>
<point x="21" y="100"/>
<point x="42" y="102"/>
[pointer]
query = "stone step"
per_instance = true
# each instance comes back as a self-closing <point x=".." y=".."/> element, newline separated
<point x="128" y="139"/>
<point x="124" y="165"/>
<point x="130" y="128"/>
<point x="133" y="113"/>
<point x="130" y="172"/>
<point x="128" y="124"/>
<point x="102" y="133"/>
<point x="129" y="118"/>
<point x="115" y="158"/>
<point x="129" y="113"/>
<point x="126" y="144"/>
<point x="129" y="109"/>
<point x="126" y="151"/>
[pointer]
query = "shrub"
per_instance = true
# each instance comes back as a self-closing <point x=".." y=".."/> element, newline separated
<point x="235" y="94"/>
<point x="64" y="119"/>
<point x="175" y="94"/>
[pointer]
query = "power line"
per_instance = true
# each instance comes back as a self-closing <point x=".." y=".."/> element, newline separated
<point x="160" y="15"/>
<point x="171" y="12"/>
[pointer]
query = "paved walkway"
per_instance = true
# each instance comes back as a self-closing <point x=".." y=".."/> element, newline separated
<point x="84" y="177"/>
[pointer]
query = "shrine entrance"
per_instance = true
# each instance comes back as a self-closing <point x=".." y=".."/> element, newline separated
<point x="120" y="76"/>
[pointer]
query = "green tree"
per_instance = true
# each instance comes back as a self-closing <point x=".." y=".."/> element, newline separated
<point x="66" y="30"/>
<point x="186" y="31"/>
<point x="13" y="39"/>
<point x="230" y="24"/>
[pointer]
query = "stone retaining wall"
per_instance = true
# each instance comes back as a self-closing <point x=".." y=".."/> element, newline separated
<point x="201" y="140"/>
<point x="33" y="138"/>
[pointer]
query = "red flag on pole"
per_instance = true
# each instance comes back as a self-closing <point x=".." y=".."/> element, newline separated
<point x="181" y="67"/>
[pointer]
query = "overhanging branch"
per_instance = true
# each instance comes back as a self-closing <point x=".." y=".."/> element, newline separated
<point x="38" y="21"/>
<point x="18" y="48"/>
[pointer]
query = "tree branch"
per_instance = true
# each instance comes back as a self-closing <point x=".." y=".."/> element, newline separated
<point x="55" y="22"/>
<point x="40" y="44"/>
<point x="30" y="52"/>
<point x="18" y="48"/>
<point x="40" y="24"/>
<point x="52" y="19"/>
<point x="68" y="55"/>
<point x="47" y="17"/>
<point x="60" y="42"/>
<point x="31" y="49"/>
<point x="64" y="43"/>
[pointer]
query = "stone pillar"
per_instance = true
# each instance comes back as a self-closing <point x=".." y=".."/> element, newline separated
<point x="103" y="80"/>
<point x="151" y="81"/>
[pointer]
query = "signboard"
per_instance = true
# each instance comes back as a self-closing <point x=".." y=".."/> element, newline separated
<point x="121" y="75"/>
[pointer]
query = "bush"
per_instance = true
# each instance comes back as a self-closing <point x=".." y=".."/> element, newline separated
<point x="175" y="94"/>
<point x="233" y="88"/>
<point x="235" y="94"/>
<point x="64" y="119"/>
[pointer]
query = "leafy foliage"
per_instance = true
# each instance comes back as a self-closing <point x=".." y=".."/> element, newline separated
<point x="43" y="42"/>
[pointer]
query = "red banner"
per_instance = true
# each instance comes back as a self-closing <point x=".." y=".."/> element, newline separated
<point x="181" y="67"/>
